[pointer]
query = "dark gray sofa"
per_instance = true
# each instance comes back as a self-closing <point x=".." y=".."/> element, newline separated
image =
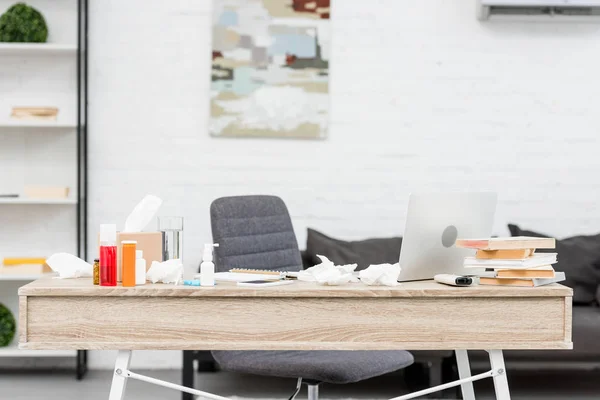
<point x="579" y="258"/>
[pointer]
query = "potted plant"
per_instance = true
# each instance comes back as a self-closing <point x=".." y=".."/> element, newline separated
<point x="23" y="24"/>
<point x="7" y="326"/>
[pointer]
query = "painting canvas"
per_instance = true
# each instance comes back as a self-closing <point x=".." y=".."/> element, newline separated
<point x="270" y="68"/>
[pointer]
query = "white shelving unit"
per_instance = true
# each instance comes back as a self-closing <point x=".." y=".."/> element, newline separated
<point x="27" y="201"/>
<point x="42" y="125"/>
<point x="33" y="49"/>
<point x="43" y="152"/>
<point x="23" y="277"/>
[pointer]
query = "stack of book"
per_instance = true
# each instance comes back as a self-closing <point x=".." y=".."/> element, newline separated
<point x="512" y="261"/>
<point x="34" y="113"/>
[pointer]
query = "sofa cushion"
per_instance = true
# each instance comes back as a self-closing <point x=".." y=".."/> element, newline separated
<point x="363" y="252"/>
<point x="578" y="258"/>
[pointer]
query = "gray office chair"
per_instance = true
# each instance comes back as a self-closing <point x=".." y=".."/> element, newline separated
<point x="256" y="232"/>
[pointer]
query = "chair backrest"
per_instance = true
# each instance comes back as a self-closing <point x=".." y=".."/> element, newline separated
<point x="254" y="232"/>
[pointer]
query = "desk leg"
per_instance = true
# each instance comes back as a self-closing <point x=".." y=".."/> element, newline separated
<point x="187" y="373"/>
<point x="119" y="382"/>
<point x="464" y="371"/>
<point x="500" y="380"/>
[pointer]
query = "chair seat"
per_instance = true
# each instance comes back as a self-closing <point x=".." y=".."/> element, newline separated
<point x="324" y="366"/>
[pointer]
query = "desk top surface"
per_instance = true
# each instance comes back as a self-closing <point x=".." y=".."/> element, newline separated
<point x="84" y="287"/>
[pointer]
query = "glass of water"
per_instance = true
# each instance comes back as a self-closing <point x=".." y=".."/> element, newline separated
<point x="171" y="229"/>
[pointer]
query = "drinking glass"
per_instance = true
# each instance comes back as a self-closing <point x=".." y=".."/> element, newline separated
<point x="171" y="229"/>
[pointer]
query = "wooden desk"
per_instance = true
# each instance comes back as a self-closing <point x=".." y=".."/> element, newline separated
<point x="302" y="316"/>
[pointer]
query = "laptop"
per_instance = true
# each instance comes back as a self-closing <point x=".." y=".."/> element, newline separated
<point x="433" y="223"/>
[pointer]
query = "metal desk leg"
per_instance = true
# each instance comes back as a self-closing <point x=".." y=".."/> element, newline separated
<point x="119" y="382"/>
<point x="81" y="368"/>
<point x="500" y="380"/>
<point x="464" y="371"/>
<point x="187" y="372"/>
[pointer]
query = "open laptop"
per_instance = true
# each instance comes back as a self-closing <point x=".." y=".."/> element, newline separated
<point x="433" y="223"/>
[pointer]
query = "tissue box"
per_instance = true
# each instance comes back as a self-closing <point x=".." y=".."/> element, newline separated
<point x="149" y="242"/>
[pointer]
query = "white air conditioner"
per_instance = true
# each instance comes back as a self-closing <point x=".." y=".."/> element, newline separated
<point x="488" y="8"/>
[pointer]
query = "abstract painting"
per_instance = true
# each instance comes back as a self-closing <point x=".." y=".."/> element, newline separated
<point x="270" y="68"/>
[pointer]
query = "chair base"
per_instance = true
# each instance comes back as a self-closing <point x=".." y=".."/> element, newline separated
<point x="313" y="392"/>
<point x="313" y="389"/>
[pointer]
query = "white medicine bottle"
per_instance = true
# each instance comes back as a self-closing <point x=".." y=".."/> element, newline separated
<point x="207" y="268"/>
<point x="140" y="268"/>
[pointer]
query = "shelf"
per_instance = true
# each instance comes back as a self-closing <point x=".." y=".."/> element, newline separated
<point x="37" y="124"/>
<point x="26" y="49"/>
<point x="23" y="200"/>
<point x="24" y="277"/>
<point x="12" y="350"/>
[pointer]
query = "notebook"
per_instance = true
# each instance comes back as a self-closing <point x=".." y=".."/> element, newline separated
<point x="242" y="277"/>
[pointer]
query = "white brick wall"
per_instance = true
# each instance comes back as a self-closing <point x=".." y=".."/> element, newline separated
<point x="424" y="97"/>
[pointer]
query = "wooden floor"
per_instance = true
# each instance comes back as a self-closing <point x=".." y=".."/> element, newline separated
<point x="62" y="386"/>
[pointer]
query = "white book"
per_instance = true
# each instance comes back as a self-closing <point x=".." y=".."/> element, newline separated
<point x="533" y="282"/>
<point x="558" y="277"/>
<point x="537" y="260"/>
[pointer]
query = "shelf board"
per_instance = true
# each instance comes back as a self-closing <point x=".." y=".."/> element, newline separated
<point x="27" y="201"/>
<point x="12" y="350"/>
<point x="24" y="277"/>
<point x="37" y="124"/>
<point x="26" y="49"/>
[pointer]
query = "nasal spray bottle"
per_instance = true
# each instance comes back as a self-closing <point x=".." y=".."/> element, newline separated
<point x="207" y="268"/>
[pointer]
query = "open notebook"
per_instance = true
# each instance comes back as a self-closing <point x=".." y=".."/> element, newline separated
<point x="243" y="277"/>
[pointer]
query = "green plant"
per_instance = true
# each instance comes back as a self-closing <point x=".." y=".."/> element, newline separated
<point x="22" y="23"/>
<point x="7" y="326"/>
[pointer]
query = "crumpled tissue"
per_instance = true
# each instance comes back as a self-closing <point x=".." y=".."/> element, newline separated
<point x="170" y="271"/>
<point x="327" y="273"/>
<point x="142" y="214"/>
<point x="380" y="274"/>
<point x="69" y="266"/>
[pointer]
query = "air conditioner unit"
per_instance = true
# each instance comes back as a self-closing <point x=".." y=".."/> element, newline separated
<point x="488" y="8"/>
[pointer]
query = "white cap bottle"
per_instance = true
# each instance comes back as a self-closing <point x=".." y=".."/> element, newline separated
<point x="108" y="235"/>
<point x="207" y="268"/>
<point x="140" y="268"/>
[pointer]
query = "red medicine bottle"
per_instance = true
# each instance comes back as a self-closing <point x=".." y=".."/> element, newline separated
<point x="108" y="255"/>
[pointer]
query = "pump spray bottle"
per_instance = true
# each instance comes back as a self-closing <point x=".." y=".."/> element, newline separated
<point x="207" y="268"/>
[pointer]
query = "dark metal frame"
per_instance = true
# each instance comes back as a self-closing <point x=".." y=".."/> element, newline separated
<point x="205" y="363"/>
<point x="82" y="118"/>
